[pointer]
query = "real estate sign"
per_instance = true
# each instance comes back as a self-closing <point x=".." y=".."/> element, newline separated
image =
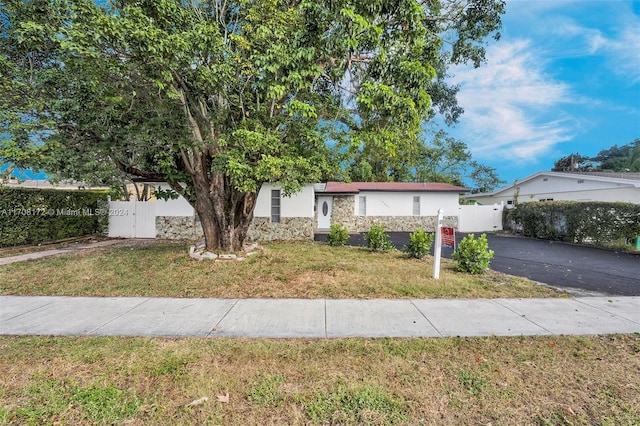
<point x="448" y="237"/>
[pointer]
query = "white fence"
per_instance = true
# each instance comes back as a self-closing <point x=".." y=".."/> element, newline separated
<point x="137" y="219"/>
<point x="480" y="218"/>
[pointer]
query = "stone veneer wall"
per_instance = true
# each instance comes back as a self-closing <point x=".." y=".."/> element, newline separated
<point x="179" y="228"/>
<point x="261" y="229"/>
<point x="300" y="228"/>
<point x="343" y="212"/>
<point x="400" y="223"/>
<point x="289" y="228"/>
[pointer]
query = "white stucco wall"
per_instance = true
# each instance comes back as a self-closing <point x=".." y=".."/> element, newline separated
<point x="546" y="184"/>
<point x="562" y="189"/>
<point x="401" y="203"/>
<point x="299" y="204"/>
<point x="432" y="202"/>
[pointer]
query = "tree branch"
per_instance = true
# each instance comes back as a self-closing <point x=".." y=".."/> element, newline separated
<point x="132" y="170"/>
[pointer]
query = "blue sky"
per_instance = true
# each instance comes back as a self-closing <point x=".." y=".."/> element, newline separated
<point x="24" y="174"/>
<point x="563" y="78"/>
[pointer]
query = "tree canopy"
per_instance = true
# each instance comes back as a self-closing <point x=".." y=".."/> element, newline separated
<point x="620" y="159"/>
<point x="439" y="158"/>
<point x="625" y="158"/>
<point x="217" y="97"/>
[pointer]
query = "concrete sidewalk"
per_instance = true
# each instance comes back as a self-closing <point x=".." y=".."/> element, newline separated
<point x="316" y="318"/>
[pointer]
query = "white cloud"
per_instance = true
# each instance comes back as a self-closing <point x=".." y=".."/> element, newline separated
<point x="574" y="39"/>
<point x="620" y="49"/>
<point x="507" y="104"/>
<point x="624" y="52"/>
<point x="557" y="23"/>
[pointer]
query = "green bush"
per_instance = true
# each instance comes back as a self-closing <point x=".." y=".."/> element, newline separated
<point x="338" y="235"/>
<point x="473" y="255"/>
<point x="377" y="239"/>
<point x="419" y="244"/>
<point x="596" y="223"/>
<point x="32" y="216"/>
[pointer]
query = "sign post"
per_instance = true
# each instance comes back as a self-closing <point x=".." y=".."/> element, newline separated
<point x="437" y="248"/>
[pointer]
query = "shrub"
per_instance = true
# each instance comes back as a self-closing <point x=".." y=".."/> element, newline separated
<point x="31" y="216"/>
<point x="377" y="239"/>
<point x="338" y="235"/>
<point x="419" y="244"/>
<point x="595" y="222"/>
<point x="473" y="255"/>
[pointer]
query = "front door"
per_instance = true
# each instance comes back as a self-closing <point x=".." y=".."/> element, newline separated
<point x="325" y="205"/>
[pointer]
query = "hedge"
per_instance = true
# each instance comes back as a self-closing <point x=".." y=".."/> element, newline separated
<point x="597" y="223"/>
<point x="32" y="216"/>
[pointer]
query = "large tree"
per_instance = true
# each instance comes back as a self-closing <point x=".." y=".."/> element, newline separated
<point x="440" y="158"/>
<point x="573" y="163"/>
<point x="217" y="97"/>
<point x="625" y="158"/>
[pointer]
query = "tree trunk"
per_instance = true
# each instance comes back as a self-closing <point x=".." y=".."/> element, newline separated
<point x="225" y="213"/>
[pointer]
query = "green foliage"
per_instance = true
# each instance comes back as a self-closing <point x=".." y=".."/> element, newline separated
<point x="31" y="216"/>
<point x="441" y="159"/>
<point x="220" y="97"/>
<point x="473" y="255"/>
<point x="573" y="163"/>
<point x="419" y="244"/>
<point x="620" y="159"/>
<point x="625" y="158"/>
<point x="377" y="239"/>
<point x="597" y="223"/>
<point x="165" y="194"/>
<point x="338" y="235"/>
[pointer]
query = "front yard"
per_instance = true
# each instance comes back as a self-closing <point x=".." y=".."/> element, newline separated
<point x="282" y="270"/>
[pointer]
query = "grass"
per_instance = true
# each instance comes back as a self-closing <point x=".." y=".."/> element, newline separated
<point x="283" y="270"/>
<point x="561" y="380"/>
<point x="446" y="381"/>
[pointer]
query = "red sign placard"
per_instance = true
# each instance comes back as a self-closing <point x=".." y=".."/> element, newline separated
<point x="448" y="237"/>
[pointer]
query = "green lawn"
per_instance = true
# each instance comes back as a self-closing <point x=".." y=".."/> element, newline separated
<point x="296" y="270"/>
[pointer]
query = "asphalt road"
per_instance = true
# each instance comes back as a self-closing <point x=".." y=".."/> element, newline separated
<point x="557" y="264"/>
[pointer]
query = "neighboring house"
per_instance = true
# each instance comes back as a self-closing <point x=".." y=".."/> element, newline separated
<point x="357" y="205"/>
<point x="561" y="186"/>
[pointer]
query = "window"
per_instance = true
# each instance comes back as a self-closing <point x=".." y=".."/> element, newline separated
<point x="580" y="180"/>
<point x="362" y="206"/>
<point x="275" y="206"/>
<point x="416" y="206"/>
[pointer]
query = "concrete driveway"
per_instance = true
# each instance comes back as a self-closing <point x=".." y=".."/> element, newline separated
<point x="568" y="266"/>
